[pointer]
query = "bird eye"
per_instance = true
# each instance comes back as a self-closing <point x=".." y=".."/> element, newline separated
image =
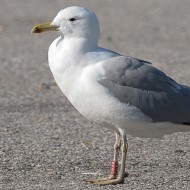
<point x="72" y="19"/>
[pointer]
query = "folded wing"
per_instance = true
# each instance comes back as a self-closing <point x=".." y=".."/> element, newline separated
<point x="136" y="82"/>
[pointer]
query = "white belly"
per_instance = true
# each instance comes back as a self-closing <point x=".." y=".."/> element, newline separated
<point x="79" y="83"/>
<point x="91" y="99"/>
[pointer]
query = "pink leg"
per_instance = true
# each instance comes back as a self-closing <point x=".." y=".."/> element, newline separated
<point x="120" y="178"/>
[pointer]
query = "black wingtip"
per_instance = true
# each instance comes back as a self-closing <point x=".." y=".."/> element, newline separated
<point x="145" y="61"/>
<point x="186" y="123"/>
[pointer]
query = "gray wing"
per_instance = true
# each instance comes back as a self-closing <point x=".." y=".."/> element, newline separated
<point x="137" y="83"/>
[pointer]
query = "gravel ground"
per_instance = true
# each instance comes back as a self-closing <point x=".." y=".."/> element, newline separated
<point x="45" y="143"/>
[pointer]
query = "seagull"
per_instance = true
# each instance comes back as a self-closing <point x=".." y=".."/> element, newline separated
<point x="122" y="93"/>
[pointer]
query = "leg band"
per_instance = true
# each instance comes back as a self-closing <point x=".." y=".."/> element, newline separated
<point x="114" y="167"/>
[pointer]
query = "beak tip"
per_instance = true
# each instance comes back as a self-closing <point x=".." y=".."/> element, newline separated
<point x="35" y="30"/>
<point x="32" y="31"/>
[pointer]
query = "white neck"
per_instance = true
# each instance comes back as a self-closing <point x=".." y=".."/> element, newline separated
<point x="80" y="45"/>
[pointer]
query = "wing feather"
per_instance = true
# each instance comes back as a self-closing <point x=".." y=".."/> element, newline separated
<point x="137" y="83"/>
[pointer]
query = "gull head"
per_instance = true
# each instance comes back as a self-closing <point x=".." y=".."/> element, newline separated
<point x="75" y="22"/>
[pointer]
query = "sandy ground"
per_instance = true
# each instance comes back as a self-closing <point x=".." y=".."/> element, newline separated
<point x="45" y="143"/>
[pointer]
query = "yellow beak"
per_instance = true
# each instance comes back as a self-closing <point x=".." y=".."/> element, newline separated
<point x="44" y="28"/>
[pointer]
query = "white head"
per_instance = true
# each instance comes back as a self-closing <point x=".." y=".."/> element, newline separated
<point x="77" y="22"/>
<point x="74" y="22"/>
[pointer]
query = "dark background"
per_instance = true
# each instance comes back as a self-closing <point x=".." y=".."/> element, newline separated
<point x="45" y="143"/>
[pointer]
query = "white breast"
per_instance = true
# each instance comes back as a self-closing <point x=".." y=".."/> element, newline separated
<point x="79" y="82"/>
